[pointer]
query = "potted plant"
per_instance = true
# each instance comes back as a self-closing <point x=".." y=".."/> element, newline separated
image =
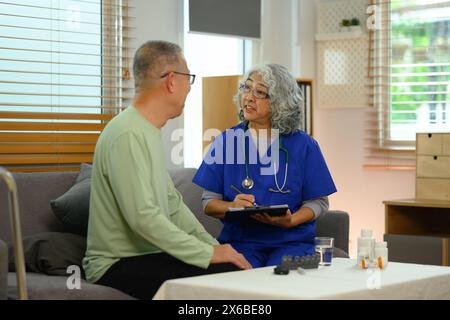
<point x="345" y="24"/>
<point x="355" y="24"/>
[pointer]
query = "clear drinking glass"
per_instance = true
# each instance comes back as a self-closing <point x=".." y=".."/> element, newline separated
<point x="324" y="246"/>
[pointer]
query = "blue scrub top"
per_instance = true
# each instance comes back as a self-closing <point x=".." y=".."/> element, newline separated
<point x="308" y="178"/>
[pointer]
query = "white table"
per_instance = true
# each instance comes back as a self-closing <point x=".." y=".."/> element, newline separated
<point x="342" y="280"/>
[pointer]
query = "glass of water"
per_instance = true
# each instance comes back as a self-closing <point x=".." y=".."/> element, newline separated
<point x="324" y="247"/>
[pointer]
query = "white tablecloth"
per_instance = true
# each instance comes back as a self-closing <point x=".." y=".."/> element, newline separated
<point x="342" y="280"/>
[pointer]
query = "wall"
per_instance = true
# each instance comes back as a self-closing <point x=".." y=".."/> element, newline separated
<point x="279" y="34"/>
<point x="340" y="133"/>
<point x="159" y="20"/>
<point x="290" y="41"/>
<point x="360" y="191"/>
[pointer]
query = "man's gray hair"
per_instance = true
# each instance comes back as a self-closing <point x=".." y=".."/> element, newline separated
<point x="286" y="98"/>
<point x="152" y="58"/>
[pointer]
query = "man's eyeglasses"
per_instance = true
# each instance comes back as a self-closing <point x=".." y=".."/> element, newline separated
<point x="258" y="93"/>
<point x="191" y="76"/>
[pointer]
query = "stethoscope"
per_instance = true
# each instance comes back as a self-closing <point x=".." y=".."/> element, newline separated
<point x="248" y="182"/>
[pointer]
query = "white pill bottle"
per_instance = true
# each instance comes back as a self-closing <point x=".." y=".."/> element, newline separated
<point x="381" y="254"/>
<point x="366" y="245"/>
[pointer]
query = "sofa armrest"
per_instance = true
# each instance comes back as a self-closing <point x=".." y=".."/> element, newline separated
<point x="334" y="224"/>
<point x="3" y="270"/>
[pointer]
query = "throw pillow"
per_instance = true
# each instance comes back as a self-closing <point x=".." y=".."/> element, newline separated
<point x="72" y="208"/>
<point x="50" y="252"/>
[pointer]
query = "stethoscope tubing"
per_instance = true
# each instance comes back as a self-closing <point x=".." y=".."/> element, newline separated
<point x="248" y="182"/>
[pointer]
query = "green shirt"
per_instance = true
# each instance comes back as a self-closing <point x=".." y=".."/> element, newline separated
<point x="134" y="206"/>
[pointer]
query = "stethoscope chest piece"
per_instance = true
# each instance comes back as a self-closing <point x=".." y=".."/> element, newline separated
<point x="247" y="183"/>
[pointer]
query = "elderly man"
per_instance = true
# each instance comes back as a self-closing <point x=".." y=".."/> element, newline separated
<point x="140" y="231"/>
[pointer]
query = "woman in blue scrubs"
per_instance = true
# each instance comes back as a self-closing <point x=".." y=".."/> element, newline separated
<point x="267" y="160"/>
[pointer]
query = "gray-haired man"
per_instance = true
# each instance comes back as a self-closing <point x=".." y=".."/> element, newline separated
<point x="140" y="231"/>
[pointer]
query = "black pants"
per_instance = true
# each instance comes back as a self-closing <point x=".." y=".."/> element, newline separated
<point x="142" y="276"/>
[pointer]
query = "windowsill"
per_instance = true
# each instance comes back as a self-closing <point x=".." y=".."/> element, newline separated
<point x="388" y="167"/>
<point x="395" y="148"/>
<point x="341" y="35"/>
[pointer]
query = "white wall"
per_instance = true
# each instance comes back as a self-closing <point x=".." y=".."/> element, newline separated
<point x="279" y="37"/>
<point x="159" y="20"/>
<point x="306" y="32"/>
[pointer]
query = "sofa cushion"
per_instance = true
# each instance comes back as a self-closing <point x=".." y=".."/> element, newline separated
<point x="72" y="208"/>
<point x="192" y="195"/>
<point x="44" y="287"/>
<point x="50" y="252"/>
<point x="35" y="190"/>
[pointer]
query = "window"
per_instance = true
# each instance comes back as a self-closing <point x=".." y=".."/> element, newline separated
<point x="207" y="55"/>
<point x="63" y="75"/>
<point x="409" y="68"/>
<point x="420" y="66"/>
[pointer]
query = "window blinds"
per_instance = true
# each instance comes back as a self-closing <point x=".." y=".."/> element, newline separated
<point x="409" y="76"/>
<point x="64" y="73"/>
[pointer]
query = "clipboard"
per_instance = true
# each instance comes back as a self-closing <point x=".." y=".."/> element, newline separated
<point x="246" y="212"/>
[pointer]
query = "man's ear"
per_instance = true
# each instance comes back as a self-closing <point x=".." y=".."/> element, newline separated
<point x="170" y="83"/>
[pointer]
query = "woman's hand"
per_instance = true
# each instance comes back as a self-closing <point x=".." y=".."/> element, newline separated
<point x="243" y="200"/>
<point x="284" y="221"/>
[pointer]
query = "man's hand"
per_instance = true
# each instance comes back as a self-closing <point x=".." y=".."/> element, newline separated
<point x="243" y="200"/>
<point x="225" y="253"/>
<point x="284" y="221"/>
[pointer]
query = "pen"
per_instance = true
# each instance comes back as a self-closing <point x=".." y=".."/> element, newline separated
<point x="239" y="192"/>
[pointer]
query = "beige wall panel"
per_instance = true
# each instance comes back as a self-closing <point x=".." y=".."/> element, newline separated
<point x="219" y="110"/>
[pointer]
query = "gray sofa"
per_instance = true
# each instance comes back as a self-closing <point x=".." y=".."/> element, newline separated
<point x="35" y="190"/>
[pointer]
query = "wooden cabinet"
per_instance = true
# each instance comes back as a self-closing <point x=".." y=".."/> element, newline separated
<point x="429" y="143"/>
<point x="418" y="231"/>
<point x="433" y="166"/>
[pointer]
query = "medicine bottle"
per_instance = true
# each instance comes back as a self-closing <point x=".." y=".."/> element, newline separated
<point x="381" y="254"/>
<point x="363" y="260"/>
<point x="367" y="242"/>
